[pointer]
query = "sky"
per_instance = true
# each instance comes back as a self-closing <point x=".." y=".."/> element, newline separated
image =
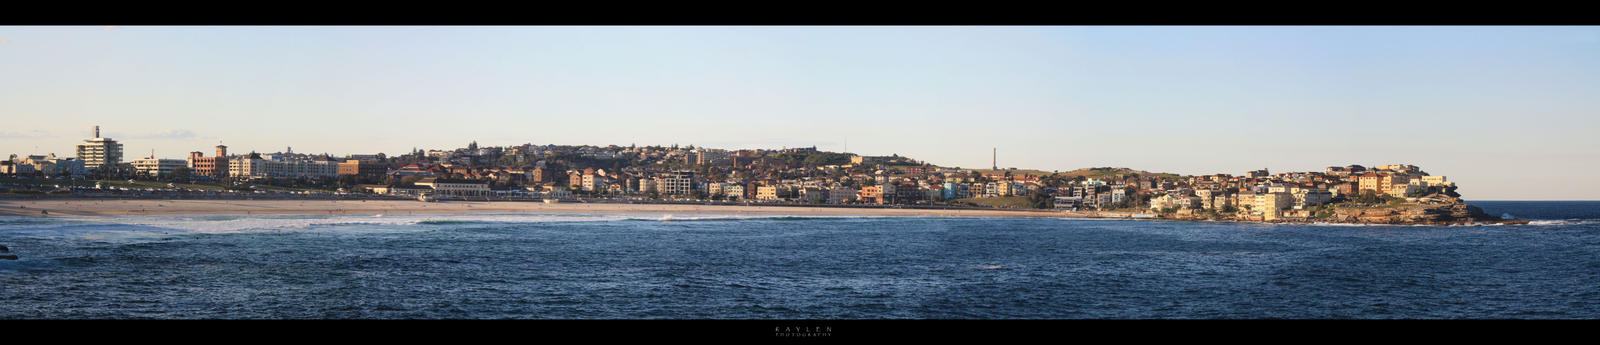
<point x="1509" y="113"/>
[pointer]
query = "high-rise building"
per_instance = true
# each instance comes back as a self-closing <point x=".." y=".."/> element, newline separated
<point x="100" y="153"/>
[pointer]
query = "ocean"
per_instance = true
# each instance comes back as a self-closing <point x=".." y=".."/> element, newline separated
<point x="660" y="266"/>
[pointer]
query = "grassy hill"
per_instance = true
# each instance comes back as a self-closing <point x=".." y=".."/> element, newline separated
<point x="1095" y="173"/>
<point x="1015" y="172"/>
<point x="1104" y="173"/>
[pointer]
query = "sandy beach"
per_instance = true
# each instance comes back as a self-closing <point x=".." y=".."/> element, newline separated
<point x="92" y="207"/>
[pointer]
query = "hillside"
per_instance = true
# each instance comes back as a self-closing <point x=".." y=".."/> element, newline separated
<point x="1103" y="173"/>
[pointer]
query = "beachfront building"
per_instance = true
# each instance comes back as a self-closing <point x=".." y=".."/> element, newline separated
<point x="8" y="167"/>
<point x="648" y="185"/>
<point x="1312" y="197"/>
<point x="100" y="153"/>
<point x="456" y="187"/>
<point x="733" y="191"/>
<point x="47" y="165"/>
<point x="408" y="191"/>
<point x="213" y="167"/>
<point x="813" y="195"/>
<point x="1269" y="204"/>
<point x="157" y="166"/>
<point x="677" y="183"/>
<point x="840" y="195"/>
<point x="767" y="193"/>
<point x="870" y="194"/>
<point x="356" y="167"/>
<point x="253" y="166"/>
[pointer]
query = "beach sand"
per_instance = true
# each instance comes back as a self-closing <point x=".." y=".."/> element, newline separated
<point x="113" y="207"/>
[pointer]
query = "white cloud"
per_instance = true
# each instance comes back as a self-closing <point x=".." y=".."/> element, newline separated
<point x="175" y="134"/>
<point x="31" y="134"/>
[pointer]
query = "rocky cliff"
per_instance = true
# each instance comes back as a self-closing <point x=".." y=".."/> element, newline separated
<point x="1454" y="213"/>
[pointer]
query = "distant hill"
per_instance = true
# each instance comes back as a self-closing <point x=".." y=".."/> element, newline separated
<point x="1103" y="173"/>
<point x="1094" y="173"/>
<point x="1016" y="171"/>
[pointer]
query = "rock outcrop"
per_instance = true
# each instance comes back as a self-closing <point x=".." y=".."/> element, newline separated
<point x="1451" y="213"/>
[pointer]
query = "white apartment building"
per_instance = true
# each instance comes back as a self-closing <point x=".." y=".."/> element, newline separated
<point x="158" y="166"/>
<point x="100" y="153"/>
<point x="253" y="167"/>
<point x="678" y="183"/>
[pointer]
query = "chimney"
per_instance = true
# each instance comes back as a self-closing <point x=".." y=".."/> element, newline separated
<point x="97" y="132"/>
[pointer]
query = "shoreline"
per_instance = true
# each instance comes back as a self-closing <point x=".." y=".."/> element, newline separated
<point x="133" y="207"/>
<point x="124" y="207"/>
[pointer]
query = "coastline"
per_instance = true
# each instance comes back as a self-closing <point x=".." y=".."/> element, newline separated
<point x="126" y="207"/>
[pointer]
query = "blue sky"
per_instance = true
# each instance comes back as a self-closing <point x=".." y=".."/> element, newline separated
<point x="1508" y="112"/>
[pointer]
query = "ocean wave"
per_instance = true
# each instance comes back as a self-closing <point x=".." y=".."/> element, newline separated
<point x="676" y="218"/>
<point x="1563" y="222"/>
<point x="216" y="224"/>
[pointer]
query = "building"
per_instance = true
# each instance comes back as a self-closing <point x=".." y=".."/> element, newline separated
<point x="1268" y="204"/>
<point x="13" y="168"/>
<point x="1312" y="197"/>
<point x="538" y="175"/>
<point x="353" y="167"/>
<point x="775" y="192"/>
<point x="410" y="191"/>
<point x="871" y="194"/>
<point x="1068" y="203"/>
<point x="157" y="166"/>
<point x="48" y="165"/>
<point x="648" y="185"/>
<point x="213" y="167"/>
<point x="813" y="195"/>
<point x="456" y="187"/>
<point x="733" y="191"/>
<point x="710" y="156"/>
<point x="252" y="166"/>
<point x="1432" y="181"/>
<point x="593" y="182"/>
<point x="678" y="183"/>
<point x="574" y="179"/>
<point x="840" y="195"/>
<point x="100" y="153"/>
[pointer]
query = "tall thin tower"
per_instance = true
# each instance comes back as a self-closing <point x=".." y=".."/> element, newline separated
<point x="993" y="162"/>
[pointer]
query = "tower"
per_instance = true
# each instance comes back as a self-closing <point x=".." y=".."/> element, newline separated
<point x="99" y="153"/>
<point x="993" y="162"/>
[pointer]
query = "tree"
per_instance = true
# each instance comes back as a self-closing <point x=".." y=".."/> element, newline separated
<point x="1039" y="200"/>
<point x="181" y="174"/>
